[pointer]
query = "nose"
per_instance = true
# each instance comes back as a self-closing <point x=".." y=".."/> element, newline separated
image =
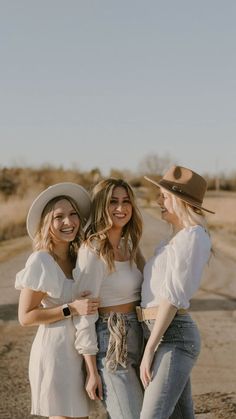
<point x="66" y="219"/>
<point x="119" y="205"/>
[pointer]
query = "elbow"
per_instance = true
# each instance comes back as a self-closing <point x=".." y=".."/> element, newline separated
<point x="24" y="321"/>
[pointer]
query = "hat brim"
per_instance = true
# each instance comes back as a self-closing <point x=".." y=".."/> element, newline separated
<point x="76" y="192"/>
<point x="179" y="195"/>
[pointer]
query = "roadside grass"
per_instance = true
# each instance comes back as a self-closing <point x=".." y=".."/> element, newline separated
<point x="14" y="210"/>
<point x="10" y="248"/>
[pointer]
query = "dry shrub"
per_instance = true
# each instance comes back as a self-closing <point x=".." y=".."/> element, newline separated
<point x="19" y="187"/>
<point x="19" y="181"/>
<point x="13" y="216"/>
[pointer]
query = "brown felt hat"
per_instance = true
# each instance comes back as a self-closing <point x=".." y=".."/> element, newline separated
<point x="185" y="184"/>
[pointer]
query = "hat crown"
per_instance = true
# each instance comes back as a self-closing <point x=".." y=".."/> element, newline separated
<point x="185" y="182"/>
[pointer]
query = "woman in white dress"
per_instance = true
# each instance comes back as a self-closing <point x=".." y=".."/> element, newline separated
<point x="50" y="299"/>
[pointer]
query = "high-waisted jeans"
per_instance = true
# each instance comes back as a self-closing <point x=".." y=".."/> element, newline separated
<point x="122" y="389"/>
<point x="168" y="395"/>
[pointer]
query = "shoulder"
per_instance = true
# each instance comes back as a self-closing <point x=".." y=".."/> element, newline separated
<point x="194" y="237"/>
<point x="196" y="232"/>
<point x="87" y="252"/>
<point x="88" y="256"/>
<point x="40" y="274"/>
<point x="39" y="257"/>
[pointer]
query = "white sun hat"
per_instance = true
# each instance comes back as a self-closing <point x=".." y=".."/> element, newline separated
<point x="73" y="190"/>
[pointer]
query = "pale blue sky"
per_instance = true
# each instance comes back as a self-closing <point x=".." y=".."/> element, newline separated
<point x="105" y="83"/>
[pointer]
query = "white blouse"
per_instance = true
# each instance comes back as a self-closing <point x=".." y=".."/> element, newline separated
<point x="119" y="287"/>
<point x="174" y="272"/>
<point x="41" y="273"/>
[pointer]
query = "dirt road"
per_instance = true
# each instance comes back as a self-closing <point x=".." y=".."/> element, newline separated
<point x="214" y="309"/>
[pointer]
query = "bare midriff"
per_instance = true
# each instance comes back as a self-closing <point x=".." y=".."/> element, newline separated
<point x="121" y="308"/>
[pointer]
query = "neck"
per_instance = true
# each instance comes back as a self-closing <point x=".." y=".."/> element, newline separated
<point x="177" y="227"/>
<point x="61" y="251"/>
<point x="115" y="238"/>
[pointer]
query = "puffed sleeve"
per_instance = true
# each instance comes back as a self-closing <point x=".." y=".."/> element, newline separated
<point x="187" y="255"/>
<point x="89" y="274"/>
<point x="40" y="274"/>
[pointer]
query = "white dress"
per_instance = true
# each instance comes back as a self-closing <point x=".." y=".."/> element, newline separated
<point x="55" y="367"/>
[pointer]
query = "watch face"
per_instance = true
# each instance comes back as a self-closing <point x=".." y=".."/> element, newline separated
<point x="66" y="311"/>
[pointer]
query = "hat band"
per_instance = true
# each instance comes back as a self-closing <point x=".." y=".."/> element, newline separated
<point x="178" y="189"/>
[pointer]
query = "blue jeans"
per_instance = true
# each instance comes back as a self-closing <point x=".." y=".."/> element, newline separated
<point x="169" y="393"/>
<point x="122" y="389"/>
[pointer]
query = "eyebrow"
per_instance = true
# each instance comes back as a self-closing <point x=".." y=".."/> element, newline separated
<point x="117" y="197"/>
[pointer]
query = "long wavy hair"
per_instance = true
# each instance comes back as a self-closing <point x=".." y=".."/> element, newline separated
<point x="43" y="239"/>
<point x="96" y="235"/>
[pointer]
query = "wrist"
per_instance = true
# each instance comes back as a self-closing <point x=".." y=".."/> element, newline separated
<point x="91" y="368"/>
<point x="150" y="348"/>
<point x="72" y="308"/>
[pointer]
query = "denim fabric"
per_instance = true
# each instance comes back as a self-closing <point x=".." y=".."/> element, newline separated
<point x="122" y="390"/>
<point x="169" y="393"/>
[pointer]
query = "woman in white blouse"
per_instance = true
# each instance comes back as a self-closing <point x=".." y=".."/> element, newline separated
<point x="110" y="265"/>
<point x="49" y="298"/>
<point x="171" y="277"/>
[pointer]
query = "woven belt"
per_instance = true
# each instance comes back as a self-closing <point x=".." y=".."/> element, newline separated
<point x="150" y="313"/>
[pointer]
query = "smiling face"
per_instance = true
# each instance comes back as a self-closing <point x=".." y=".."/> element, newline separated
<point x="165" y="202"/>
<point x="65" y="222"/>
<point x="120" y="207"/>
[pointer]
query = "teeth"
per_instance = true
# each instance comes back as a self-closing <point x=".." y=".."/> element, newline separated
<point x="67" y="230"/>
<point x="119" y="215"/>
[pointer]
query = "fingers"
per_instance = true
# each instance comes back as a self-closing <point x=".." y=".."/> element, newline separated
<point x="93" y="304"/>
<point x="86" y="306"/>
<point x="146" y="377"/>
<point x="92" y="395"/>
<point x="95" y="300"/>
<point x="91" y="308"/>
<point x="85" y="293"/>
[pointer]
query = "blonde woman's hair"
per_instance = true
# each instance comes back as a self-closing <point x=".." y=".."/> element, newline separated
<point x="96" y="234"/>
<point x="188" y="214"/>
<point x="43" y="239"/>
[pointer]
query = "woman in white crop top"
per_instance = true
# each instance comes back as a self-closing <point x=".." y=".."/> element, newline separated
<point x="171" y="277"/>
<point x="110" y="265"/>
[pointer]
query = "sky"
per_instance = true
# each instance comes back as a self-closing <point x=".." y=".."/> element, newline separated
<point x="106" y="83"/>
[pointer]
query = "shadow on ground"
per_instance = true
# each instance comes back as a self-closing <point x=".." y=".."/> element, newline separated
<point x="8" y="312"/>
<point x="213" y="304"/>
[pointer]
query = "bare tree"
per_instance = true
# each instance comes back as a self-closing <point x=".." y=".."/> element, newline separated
<point x="152" y="164"/>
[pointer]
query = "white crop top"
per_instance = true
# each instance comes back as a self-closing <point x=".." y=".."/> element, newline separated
<point x="175" y="270"/>
<point x="119" y="287"/>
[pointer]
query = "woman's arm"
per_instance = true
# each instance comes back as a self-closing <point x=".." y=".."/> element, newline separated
<point x="166" y="313"/>
<point x="93" y="384"/>
<point x="31" y="314"/>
